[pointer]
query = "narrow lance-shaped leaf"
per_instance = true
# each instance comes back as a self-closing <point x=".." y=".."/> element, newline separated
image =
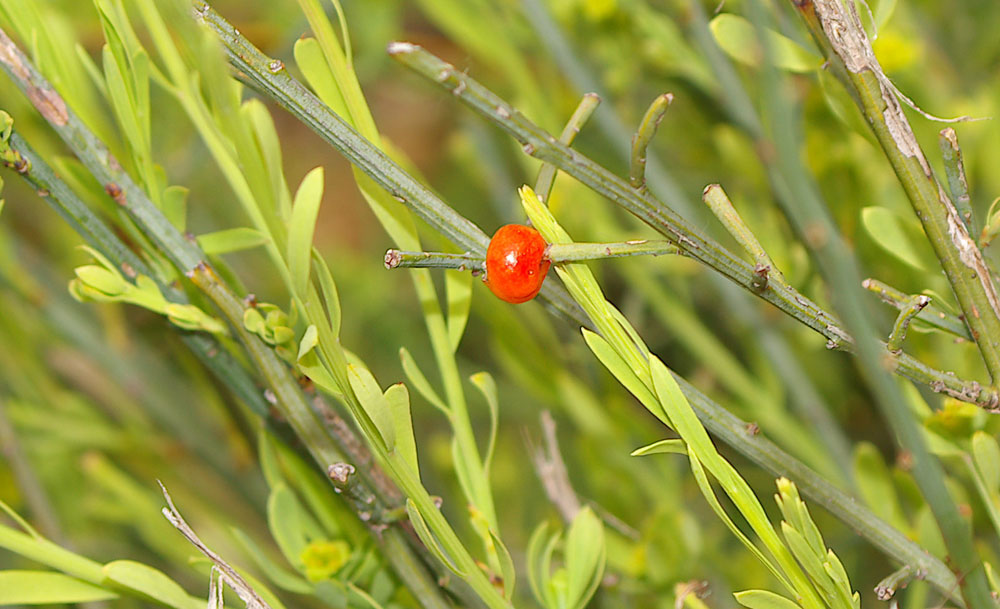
<point x="301" y="225"/>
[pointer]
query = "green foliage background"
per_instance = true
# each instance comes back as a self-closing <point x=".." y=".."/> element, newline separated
<point x="100" y="400"/>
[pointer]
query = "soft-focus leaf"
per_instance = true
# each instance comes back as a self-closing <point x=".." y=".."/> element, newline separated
<point x="738" y="38"/>
<point x="147" y="581"/>
<point x="305" y="209"/>
<point x="231" y="240"/>
<point x="48" y="587"/>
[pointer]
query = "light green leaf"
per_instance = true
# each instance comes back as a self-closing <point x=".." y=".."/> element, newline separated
<point x="901" y="236"/>
<point x="420" y="382"/>
<point x="507" y="569"/>
<point x="621" y="371"/>
<point x="102" y="280"/>
<point x="986" y="455"/>
<point x="329" y="289"/>
<point x="458" y="288"/>
<point x="309" y="58"/>
<point x="374" y="403"/>
<point x="281" y="577"/>
<point x="305" y="209"/>
<point x="231" y="240"/>
<point x="148" y="582"/>
<point x="673" y="445"/>
<point x="585" y="556"/>
<point x="290" y="525"/>
<point x="425" y="535"/>
<point x="398" y="399"/>
<point x="764" y="599"/>
<point x="47" y="587"/>
<point x="484" y="382"/>
<point x="309" y="341"/>
<point x="541" y="545"/>
<point x="738" y="38"/>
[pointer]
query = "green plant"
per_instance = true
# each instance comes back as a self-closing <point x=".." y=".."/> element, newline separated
<point x="260" y="403"/>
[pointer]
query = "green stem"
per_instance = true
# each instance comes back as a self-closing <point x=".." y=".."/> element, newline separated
<point x="717" y="201"/>
<point x="643" y="136"/>
<point x="930" y="315"/>
<point x="915" y="304"/>
<point x="963" y="263"/>
<point x="556" y="252"/>
<point x="547" y="174"/>
<point x="541" y="145"/>
<point x="896" y="580"/>
<point x="810" y="215"/>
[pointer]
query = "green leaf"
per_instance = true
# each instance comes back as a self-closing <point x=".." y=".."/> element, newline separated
<point x="47" y="587"/>
<point x="283" y="578"/>
<point x="623" y="372"/>
<point x="507" y="569"/>
<point x="231" y="240"/>
<point x="483" y="381"/>
<point x="102" y="280"/>
<point x="148" y="582"/>
<point x="420" y="382"/>
<point x="305" y="209"/>
<point x="986" y="455"/>
<point x="398" y="399"/>
<point x="309" y="341"/>
<point x="458" y="288"/>
<point x="290" y="525"/>
<point x="875" y="485"/>
<point x="901" y="236"/>
<point x="764" y="599"/>
<point x="673" y="445"/>
<point x="425" y="535"/>
<point x="329" y="289"/>
<point x="541" y="545"/>
<point x="738" y="38"/>
<point x="175" y="206"/>
<point x="374" y="403"/>
<point x="585" y="557"/>
<point x="309" y="58"/>
<point x="268" y="458"/>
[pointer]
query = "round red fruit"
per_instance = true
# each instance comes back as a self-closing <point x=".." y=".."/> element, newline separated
<point x="516" y="264"/>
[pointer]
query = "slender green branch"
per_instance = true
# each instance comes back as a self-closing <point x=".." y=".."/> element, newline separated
<point x="556" y="252"/>
<point x="810" y="214"/>
<point x="897" y="580"/>
<point x="915" y="304"/>
<point x="298" y="100"/>
<point x="958" y="185"/>
<point x="543" y="146"/>
<point x="931" y="315"/>
<point x="643" y="136"/>
<point x="396" y="259"/>
<point x="838" y="31"/>
<point x="723" y="209"/>
<point x="547" y="174"/>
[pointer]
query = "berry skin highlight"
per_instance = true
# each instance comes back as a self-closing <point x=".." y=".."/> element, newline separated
<point x="516" y="264"/>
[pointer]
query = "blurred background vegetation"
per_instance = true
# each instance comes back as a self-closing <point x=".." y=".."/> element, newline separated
<point x="98" y="401"/>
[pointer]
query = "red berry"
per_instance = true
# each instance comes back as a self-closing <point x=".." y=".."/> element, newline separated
<point x="515" y="263"/>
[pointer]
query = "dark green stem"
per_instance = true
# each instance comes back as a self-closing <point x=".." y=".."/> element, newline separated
<point x="643" y="136"/>
<point x="839" y="33"/>
<point x="914" y="305"/>
<point x="547" y="174"/>
<point x="930" y="315"/>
